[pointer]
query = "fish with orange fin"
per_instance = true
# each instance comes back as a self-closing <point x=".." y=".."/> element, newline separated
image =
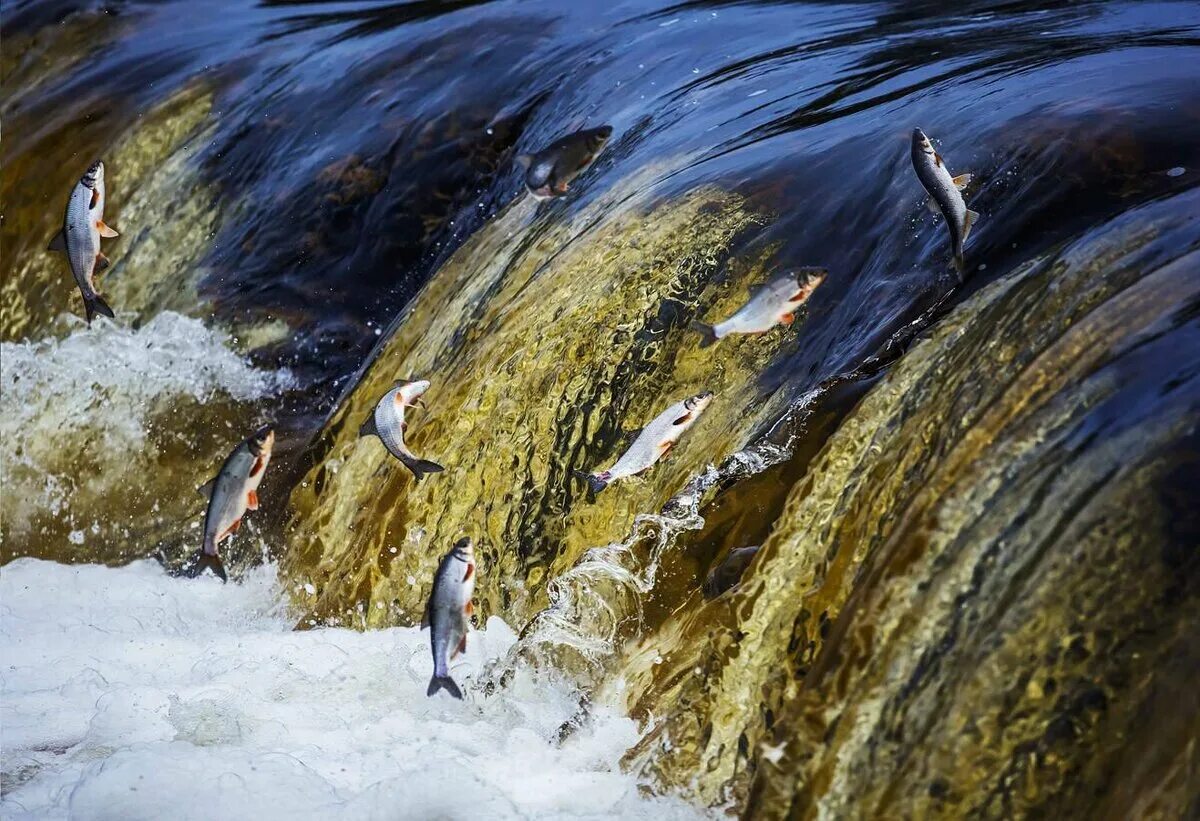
<point x="652" y="443"/>
<point x="550" y="172"/>
<point x="230" y="494"/>
<point x="774" y="303"/>
<point x="79" y="239"/>
<point x="448" y="613"/>
<point x="945" y="195"/>
<point x="387" y="422"/>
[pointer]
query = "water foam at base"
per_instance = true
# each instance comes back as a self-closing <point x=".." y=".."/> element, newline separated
<point x="129" y="694"/>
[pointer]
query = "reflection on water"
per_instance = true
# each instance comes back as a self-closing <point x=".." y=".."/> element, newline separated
<point x="331" y="188"/>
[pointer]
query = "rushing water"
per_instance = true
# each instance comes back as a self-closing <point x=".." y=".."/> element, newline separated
<point x="977" y="503"/>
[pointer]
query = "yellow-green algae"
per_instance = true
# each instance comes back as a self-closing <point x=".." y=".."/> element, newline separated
<point x="957" y="614"/>
<point x="540" y="344"/>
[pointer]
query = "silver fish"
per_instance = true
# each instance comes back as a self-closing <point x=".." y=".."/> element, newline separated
<point x="549" y="172"/>
<point x="728" y="574"/>
<point x="772" y="304"/>
<point x="387" y="422"/>
<point x="448" y="612"/>
<point x="79" y="239"/>
<point x="945" y="194"/>
<point x="653" y="443"/>
<point x="232" y="492"/>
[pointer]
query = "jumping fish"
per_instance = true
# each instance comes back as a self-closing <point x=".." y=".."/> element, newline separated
<point x="230" y="494"/>
<point x="772" y="304"/>
<point x="79" y="239"/>
<point x="550" y="171"/>
<point x="447" y="613"/>
<point x="387" y="422"/>
<point x="945" y="194"/>
<point x="653" y="443"/>
<point x="728" y="574"/>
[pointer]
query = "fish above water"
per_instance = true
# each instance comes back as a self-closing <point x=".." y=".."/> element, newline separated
<point x="653" y="443"/>
<point x="728" y="574"/>
<point x="774" y="303"/>
<point x="945" y="194"/>
<point x="448" y="612"/>
<point x="83" y="226"/>
<point x="387" y="422"/>
<point x="230" y="494"/>
<point x="549" y="172"/>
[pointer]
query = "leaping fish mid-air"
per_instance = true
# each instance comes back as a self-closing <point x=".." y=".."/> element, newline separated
<point x="945" y="194"/>
<point x="387" y="422"/>
<point x="653" y="443"/>
<point x="230" y="494"/>
<point x="774" y="303"/>
<point x="549" y="172"/>
<point x="79" y="239"/>
<point x="448" y="612"/>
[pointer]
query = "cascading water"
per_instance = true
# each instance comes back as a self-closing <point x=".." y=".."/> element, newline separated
<point x="976" y="503"/>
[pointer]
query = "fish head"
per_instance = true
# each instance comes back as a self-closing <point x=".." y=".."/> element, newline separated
<point x="94" y="176"/>
<point x="464" y="549"/>
<point x="810" y="278"/>
<point x="262" y="441"/>
<point x="699" y="402"/>
<point x="921" y="144"/>
<point x="412" y="389"/>
<point x="598" y="137"/>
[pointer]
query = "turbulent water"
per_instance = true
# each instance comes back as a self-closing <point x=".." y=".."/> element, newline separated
<point x="977" y="503"/>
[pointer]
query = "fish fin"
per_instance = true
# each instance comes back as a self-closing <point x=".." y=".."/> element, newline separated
<point x="59" y="243"/>
<point x="594" y="482"/>
<point x="462" y="645"/>
<point x="404" y="427"/>
<point x="932" y="206"/>
<point x="368" y="427"/>
<point x="664" y="449"/>
<point x="962" y="181"/>
<point x="524" y="160"/>
<point x="420" y="467"/>
<point x="205" y="561"/>
<point x="105" y="231"/>
<point x="102" y="262"/>
<point x="95" y="198"/>
<point x="206" y="489"/>
<point x="470" y="572"/>
<point x="788" y="318"/>
<point x="683" y="419"/>
<point x="443" y="683"/>
<point x="469" y="607"/>
<point x="233" y="528"/>
<point x="969" y="220"/>
<point x="937" y="159"/>
<point x="959" y="266"/>
<point x="252" y="500"/>
<point x="96" y="305"/>
<point x="562" y="188"/>
<point x="708" y="334"/>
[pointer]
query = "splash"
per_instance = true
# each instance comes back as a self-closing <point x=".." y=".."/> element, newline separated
<point x="202" y="696"/>
<point x="88" y="420"/>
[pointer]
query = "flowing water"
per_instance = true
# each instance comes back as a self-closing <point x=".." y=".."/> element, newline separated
<point x="977" y="503"/>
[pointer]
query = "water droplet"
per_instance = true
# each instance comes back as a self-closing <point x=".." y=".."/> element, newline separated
<point x="1177" y="171"/>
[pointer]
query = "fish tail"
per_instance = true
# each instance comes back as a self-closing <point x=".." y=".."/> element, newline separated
<point x="960" y="267"/>
<point x="95" y="304"/>
<point x="443" y="683"/>
<point x="203" y="560"/>
<point x="707" y="333"/>
<point x="420" y="467"/>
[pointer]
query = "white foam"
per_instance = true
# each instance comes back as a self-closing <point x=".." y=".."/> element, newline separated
<point x="128" y="694"/>
<point x="75" y="412"/>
